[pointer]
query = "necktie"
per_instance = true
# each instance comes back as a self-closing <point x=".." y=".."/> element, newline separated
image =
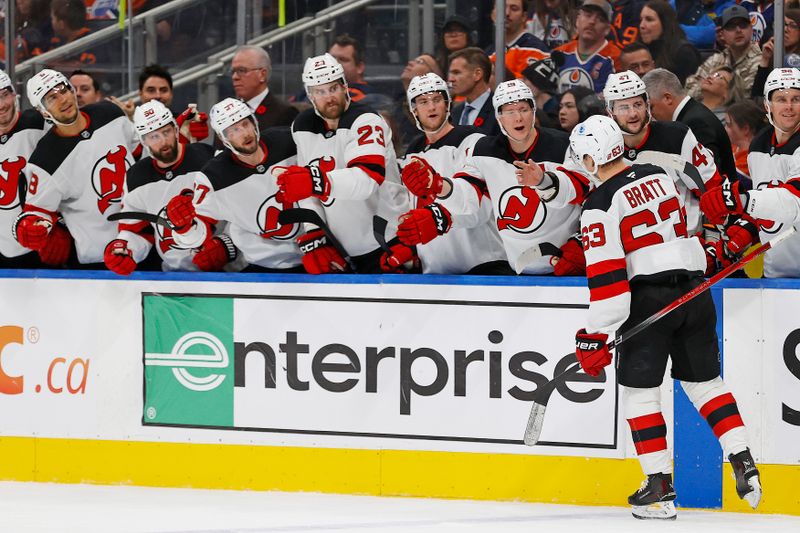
<point x="465" y="115"/>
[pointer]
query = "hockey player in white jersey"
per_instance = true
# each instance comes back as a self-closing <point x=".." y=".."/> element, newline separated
<point x="640" y="258"/>
<point x="238" y="187"/>
<point x="499" y="172"/>
<point x="19" y="133"/>
<point x="346" y="169"/>
<point x="441" y="151"/>
<point x="77" y="169"/>
<point x="774" y="163"/>
<point x="150" y="184"/>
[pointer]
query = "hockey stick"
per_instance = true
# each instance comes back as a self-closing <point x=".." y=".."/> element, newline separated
<point x="298" y="215"/>
<point x="536" y="418"/>
<point x="533" y="253"/>
<point x="148" y="217"/>
<point x="379" y="230"/>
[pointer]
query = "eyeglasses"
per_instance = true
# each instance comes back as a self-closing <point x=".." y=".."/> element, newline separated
<point x="159" y="135"/>
<point x="55" y="93"/>
<point x="622" y="109"/>
<point x="519" y="112"/>
<point x="718" y="76"/>
<point x="791" y="25"/>
<point x="241" y="71"/>
<point x="740" y="24"/>
<point x="421" y="101"/>
<point x="319" y="92"/>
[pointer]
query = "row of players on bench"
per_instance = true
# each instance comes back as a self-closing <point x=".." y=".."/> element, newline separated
<point x="457" y="202"/>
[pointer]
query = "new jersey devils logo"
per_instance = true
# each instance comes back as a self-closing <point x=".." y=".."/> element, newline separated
<point x="10" y="172"/>
<point x="521" y="210"/>
<point x="108" y="177"/>
<point x="267" y="221"/>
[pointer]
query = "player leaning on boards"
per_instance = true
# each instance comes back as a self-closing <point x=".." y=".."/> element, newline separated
<point x="440" y="152"/>
<point x="150" y="184"/>
<point x="20" y="131"/>
<point x="631" y="275"/>
<point x="346" y="170"/>
<point x="77" y="169"/>
<point x="503" y="170"/>
<point x="774" y="163"/>
<point x="238" y="187"/>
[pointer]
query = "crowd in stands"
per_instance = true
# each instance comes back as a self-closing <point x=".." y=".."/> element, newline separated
<point x="704" y="65"/>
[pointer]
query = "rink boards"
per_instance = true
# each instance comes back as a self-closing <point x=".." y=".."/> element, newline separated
<point x="390" y="385"/>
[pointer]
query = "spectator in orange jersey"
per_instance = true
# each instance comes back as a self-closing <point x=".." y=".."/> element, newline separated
<point x="522" y="48"/>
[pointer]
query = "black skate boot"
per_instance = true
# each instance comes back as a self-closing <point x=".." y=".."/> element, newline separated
<point x="748" y="484"/>
<point x="654" y="500"/>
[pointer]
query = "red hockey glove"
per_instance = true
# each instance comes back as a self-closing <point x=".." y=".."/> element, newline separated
<point x="421" y="179"/>
<point x="395" y="262"/>
<point x="592" y="351"/>
<point x="215" y="253"/>
<point x="421" y="226"/>
<point x="31" y="231"/>
<point x="719" y="202"/>
<point x="57" y="248"/>
<point x="299" y="183"/>
<point x="180" y="211"/>
<point x="198" y="123"/>
<point x="740" y="235"/>
<point x="716" y="258"/>
<point x="118" y="258"/>
<point x="319" y="256"/>
<point x="571" y="262"/>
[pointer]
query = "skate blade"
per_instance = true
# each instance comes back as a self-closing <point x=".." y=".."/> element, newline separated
<point x="655" y="511"/>
<point x="754" y="496"/>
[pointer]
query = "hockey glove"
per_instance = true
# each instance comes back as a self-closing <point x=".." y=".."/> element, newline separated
<point x="198" y="123"/>
<point x="402" y="259"/>
<point x="31" y="231"/>
<point x="716" y="258"/>
<point x="421" y="226"/>
<point x="319" y="256"/>
<point x="215" y="254"/>
<point x="571" y="262"/>
<point x="299" y="183"/>
<point x="719" y="202"/>
<point x="181" y="213"/>
<point x="118" y="258"/>
<point x="56" y="250"/>
<point x="592" y="351"/>
<point x="740" y="235"/>
<point x="421" y="179"/>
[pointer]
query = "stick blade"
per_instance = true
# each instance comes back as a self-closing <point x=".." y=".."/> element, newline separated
<point x="535" y="424"/>
<point x="533" y="254"/>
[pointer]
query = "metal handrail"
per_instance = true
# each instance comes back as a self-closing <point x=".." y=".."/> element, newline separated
<point x="100" y="35"/>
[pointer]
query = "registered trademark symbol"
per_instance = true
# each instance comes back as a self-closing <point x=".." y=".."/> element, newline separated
<point x="33" y="335"/>
<point x="151" y="413"/>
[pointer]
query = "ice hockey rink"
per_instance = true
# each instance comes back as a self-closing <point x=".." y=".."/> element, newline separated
<point x="46" y="507"/>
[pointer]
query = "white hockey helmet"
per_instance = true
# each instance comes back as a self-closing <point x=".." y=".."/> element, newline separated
<point x="227" y="113"/>
<point x="151" y="116"/>
<point x="600" y="138"/>
<point x="779" y="79"/>
<point x="323" y="69"/>
<point x="424" y="84"/>
<point x="508" y="92"/>
<point x="5" y="82"/>
<point x="622" y="85"/>
<point x="41" y="83"/>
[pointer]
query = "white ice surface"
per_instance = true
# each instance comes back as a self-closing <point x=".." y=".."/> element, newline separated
<point x="44" y="507"/>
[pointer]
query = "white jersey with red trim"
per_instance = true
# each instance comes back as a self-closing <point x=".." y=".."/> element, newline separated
<point x="519" y="215"/>
<point x="633" y="226"/>
<point x="775" y="171"/>
<point x="83" y="177"/>
<point x="365" y="181"/>
<point x="230" y="190"/>
<point x="16" y="147"/>
<point x="460" y="249"/>
<point x="148" y="189"/>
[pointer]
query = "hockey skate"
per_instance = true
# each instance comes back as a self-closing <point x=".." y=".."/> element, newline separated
<point x="748" y="484"/>
<point x="655" y="499"/>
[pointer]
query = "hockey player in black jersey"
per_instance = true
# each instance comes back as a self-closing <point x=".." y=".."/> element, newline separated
<point x="150" y="184"/>
<point x="640" y="258"/>
<point x="774" y="163"/>
<point x="440" y="151"/>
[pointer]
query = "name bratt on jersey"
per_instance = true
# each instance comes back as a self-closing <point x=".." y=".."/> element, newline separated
<point x="643" y="192"/>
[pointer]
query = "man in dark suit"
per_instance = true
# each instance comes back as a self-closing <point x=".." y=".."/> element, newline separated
<point x="468" y="76"/>
<point x="669" y="101"/>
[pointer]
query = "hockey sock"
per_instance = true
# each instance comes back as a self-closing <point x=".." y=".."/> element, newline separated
<point x="717" y="405"/>
<point x="648" y="429"/>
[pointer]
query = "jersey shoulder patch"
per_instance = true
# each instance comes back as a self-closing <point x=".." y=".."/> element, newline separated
<point x="308" y="121"/>
<point x="102" y="113"/>
<point x="52" y="150"/>
<point x="492" y="146"/>
<point x="551" y="145"/>
<point x="141" y="173"/>
<point x="30" y="119"/>
<point x="224" y="171"/>
<point x="353" y="113"/>
<point x="666" y="136"/>
<point x="280" y="144"/>
<point x="602" y="197"/>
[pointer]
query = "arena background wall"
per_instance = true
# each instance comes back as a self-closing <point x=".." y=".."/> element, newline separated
<point x="382" y="385"/>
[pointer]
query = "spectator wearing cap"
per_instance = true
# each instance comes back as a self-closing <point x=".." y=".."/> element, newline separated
<point x="541" y="77"/>
<point x="636" y="57"/>
<point x="456" y="35"/>
<point x="740" y="54"/>
<point x="791" y="53"/>
<point x="551" y="21"/>
<point x="522" y="48"/>
<point x="590" y="58"/>
<point x="660" y="31"/>
<point x="468" y="77"/>
<point x="669" y="101"/>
